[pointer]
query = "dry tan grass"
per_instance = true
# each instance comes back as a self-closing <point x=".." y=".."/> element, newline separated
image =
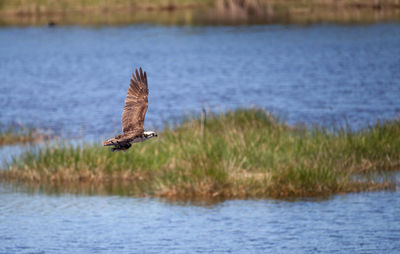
<point x="116" y="12"/>
<point x="17" y="134"/>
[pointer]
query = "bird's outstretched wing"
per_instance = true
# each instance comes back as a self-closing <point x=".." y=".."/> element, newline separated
<point x="136" y="103"/>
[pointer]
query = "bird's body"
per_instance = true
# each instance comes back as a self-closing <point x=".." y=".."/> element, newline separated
<point x="135" y="108"/>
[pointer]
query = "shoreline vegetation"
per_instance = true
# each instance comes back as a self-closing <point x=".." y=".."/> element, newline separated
<point x="17" y="134"/>
<point x="195" y="12"/>
<point x="246" y="153"/>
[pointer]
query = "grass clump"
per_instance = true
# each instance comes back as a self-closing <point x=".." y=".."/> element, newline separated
<point x="17" y="134"/>
<point x="246" y="153"/>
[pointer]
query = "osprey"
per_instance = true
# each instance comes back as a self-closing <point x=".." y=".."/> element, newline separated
<point x="133" y="116"/>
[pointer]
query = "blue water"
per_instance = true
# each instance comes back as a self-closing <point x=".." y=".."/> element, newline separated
<point x="73" y="81"/>
<point x="355" y="223"/>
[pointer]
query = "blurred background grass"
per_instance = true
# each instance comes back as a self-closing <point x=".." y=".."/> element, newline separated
<point x="195" y="12"/>
<point x="18" y="134"/>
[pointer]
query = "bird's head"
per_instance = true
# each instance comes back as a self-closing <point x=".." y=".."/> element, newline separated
<point x="150" y="134"/>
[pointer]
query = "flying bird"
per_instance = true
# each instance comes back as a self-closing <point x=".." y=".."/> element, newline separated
<point x="135" y="108"/>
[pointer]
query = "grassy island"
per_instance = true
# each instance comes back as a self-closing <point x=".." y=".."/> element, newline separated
<point x="246" y="153"/>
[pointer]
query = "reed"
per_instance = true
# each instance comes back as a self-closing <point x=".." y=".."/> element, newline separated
<point x="246" y="153"/>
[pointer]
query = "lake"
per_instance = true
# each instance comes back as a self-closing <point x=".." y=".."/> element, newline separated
<point x="355" y="223"/>
<point x="73" y="81"/>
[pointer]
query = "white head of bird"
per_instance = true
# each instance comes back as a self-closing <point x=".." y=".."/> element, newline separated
<point x="149" y="134"/>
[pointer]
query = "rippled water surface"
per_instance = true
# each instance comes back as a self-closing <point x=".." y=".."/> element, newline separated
<point x="356" y="223"/>
<point x="73" y="81"/>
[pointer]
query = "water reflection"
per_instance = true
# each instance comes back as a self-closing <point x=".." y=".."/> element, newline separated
<point x="358" y="223"/>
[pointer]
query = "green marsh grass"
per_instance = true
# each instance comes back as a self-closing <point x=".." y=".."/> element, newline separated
<point x="247" y="153"/>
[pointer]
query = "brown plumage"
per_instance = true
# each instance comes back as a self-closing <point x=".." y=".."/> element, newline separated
<point x="136" y="104"/>
<point x="135" y="108"/>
